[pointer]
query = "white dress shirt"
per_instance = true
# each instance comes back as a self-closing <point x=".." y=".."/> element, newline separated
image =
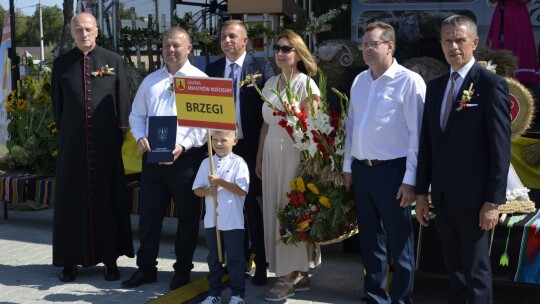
<point x="385" y="117"/>
<point x="459" y="81"/>
<point x="238" y="73"/>
<point x="155" y="98"/>
<point x="232" y="168"/>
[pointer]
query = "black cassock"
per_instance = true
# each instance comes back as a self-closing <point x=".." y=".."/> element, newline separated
<point x="91" y="213"/>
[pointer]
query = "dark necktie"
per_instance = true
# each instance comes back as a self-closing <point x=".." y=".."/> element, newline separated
<point x="232" y="75"/>
<point x="449" y="99"/>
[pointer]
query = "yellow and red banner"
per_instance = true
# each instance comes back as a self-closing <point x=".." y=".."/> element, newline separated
<point x="205" y="103"/>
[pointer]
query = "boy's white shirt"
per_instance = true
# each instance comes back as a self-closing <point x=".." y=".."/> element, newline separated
<point x="231" y="168"/>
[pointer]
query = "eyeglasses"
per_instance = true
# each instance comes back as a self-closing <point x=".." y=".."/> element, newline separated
<point x="284" y="49"/>
<point x="370" y="45"/>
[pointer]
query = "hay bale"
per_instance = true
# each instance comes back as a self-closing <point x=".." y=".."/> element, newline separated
<point x="504" y="59"/>
<point x="427" y="67"/>
<point x="335" y="58"/>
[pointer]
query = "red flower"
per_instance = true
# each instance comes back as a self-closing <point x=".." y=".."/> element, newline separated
<point x="293" y="198"/>
<point x="301" y="198"/>
<point x="304" y="236"/>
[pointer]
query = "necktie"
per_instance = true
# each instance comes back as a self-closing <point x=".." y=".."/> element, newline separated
<point x="449" y="99"/>
<point x="232" y="75"/>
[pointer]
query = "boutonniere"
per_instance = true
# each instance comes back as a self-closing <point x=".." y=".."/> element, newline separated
<point x="250" y="79"/>
<point x="171" y="89"/>
<point x="104" y="70"/>
<point x="466" y="98"/>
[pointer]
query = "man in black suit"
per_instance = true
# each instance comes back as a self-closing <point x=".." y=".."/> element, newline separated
<point x="464" y="155"/>
<point x="248" y="106"/>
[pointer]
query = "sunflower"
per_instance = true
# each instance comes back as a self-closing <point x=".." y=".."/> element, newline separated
<point x="21" y="104"/>
<point x="10" y="98"/>
<point x="52" y="127"/>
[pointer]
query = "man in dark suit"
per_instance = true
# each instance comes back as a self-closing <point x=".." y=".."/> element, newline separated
<point x="237" y="64"/>
<point x="464" y="155"/>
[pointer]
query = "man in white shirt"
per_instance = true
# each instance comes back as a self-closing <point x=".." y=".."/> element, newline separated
<point x="381" y="148"/>
<point x="161" y="181"/>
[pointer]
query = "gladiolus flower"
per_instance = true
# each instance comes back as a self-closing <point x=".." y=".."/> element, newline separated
<point x="300" y="185"/>
<point x="325" y="202"/>
<point x="313" y="188"/>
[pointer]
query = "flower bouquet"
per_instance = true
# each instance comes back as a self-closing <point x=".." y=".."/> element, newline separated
<point x="32" y="144"/>
<point x="319" y="210"/>
<point x="316" y="214"/>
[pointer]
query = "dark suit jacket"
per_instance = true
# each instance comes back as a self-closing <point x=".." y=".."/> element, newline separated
<point x="468" y="163"/>
<point x="250" y="110"/>
<point x="250" y="101"/>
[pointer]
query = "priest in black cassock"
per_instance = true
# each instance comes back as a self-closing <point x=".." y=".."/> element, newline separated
<point x="91" y="107"/>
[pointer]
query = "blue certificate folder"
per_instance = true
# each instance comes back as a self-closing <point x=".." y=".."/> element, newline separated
<point x="162" y="138"/>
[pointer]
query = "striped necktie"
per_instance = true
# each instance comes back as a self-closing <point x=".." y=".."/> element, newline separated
<point x="449" y="99"/>
<point x="232" y="75"/>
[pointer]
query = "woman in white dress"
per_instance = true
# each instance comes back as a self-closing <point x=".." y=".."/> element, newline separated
<point x="278" y="160"/>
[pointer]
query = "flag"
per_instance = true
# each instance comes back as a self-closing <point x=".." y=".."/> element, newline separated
<point x="5" y="62"/>
<point x="5" y="69"/>
<point x="26" y="54"/>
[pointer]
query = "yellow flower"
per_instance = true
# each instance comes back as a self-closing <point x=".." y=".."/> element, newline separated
<point x="55" y="153"/>
<point x="325" y="202"/>
<point x="313" y="188"/>
<point x="52" y="127"/>
<point x="293" y="185"/>
<point x="45" y="97"/>
<point x="10" y="98"/>
<point x="31" y="84"/>
<point x="300" y="185"/>
<point x="21" y="104"/>
<point x="9" y="108"/>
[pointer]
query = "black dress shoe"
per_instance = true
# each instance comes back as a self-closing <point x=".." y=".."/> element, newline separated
<point x="69" y="273"/>
<point x="259" y="279"/>
<point x="111" y="272"/>
<point x="138" y="279"/>
<point x="178" y="281"/>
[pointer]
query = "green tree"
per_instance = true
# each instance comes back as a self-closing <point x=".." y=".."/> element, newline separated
<point x="124" y="13"/>
<point x="20" y="27"/>
<point x="341" y="26"/>
<point x="66" y="40"/>
<point x="2" y="12"/>
<point x="52" y="25"/>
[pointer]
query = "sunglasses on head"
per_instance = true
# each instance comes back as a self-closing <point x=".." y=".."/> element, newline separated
<point x="284" y="49"/>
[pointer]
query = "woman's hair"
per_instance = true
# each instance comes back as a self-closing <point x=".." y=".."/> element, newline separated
<point x="307" y="64"/>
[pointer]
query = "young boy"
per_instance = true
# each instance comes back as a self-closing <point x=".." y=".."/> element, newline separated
<point x="229" y="184"/>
